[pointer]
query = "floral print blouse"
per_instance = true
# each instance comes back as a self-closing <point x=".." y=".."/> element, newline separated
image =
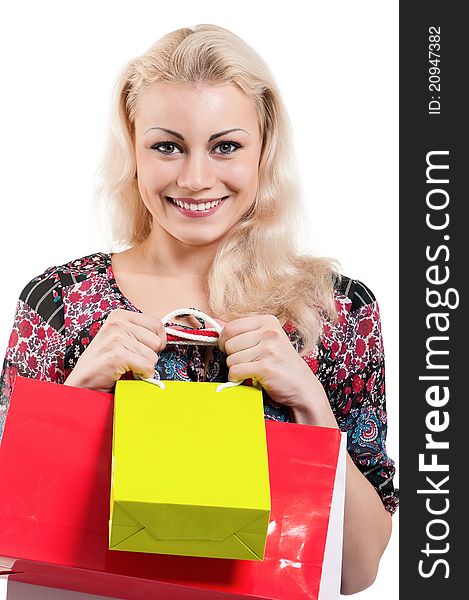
<point x="60" y="311"/>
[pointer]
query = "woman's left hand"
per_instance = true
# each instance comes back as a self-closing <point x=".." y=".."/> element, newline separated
<point x="258" y="348"/>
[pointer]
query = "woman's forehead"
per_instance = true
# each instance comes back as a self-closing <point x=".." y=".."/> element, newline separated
<point x="201" y="103"/>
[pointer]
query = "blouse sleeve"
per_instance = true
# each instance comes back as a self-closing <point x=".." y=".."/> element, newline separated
<point x="36" y="346"/>
<point x="356" y="389"/>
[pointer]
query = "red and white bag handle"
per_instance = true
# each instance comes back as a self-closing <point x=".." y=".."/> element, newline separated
<point x="201" y="336"/>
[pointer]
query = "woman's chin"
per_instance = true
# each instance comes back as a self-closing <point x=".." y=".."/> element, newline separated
<point x="198" y="240"/>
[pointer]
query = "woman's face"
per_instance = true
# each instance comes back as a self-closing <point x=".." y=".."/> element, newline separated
<point x="197" y="152"/>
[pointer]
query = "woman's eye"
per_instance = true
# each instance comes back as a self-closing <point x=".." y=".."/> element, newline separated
<point x="227" y="147"/>
<point x="165" y="147"/>
<point x="169" y="148"/>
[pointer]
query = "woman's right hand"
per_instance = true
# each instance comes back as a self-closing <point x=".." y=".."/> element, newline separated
<point x="127" y="341"/>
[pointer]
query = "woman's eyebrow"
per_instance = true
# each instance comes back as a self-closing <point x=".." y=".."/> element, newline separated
<point x="211" y="138"/>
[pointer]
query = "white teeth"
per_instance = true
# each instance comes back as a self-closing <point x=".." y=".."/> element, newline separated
<point x="197" y="207"/>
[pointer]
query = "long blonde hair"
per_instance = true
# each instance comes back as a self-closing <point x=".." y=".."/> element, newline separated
<point x="257" y="268"/>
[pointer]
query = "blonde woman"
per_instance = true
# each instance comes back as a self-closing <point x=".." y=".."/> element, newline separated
<point x="199" y="186"/>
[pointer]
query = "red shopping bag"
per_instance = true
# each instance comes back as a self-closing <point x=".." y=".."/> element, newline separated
<point x="55" y="465"/>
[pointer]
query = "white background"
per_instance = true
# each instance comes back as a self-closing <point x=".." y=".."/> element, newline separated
<point x="337" y="67"/>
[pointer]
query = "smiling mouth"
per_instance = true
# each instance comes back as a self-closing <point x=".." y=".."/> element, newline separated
<point x="196" y="206"/>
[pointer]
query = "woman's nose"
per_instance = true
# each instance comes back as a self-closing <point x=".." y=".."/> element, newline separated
<point x="197" y="173"/>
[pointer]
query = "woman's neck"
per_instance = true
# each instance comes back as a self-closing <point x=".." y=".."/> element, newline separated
<point x="163" y="255"/>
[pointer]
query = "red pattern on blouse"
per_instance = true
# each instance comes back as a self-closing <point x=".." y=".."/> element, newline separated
<point x="60" y="312"/>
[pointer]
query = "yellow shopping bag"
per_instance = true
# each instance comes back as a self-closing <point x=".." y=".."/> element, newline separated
<point x="189" y="477"/>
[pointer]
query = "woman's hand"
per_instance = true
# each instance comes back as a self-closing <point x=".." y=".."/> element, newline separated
<point x="127" y="341"/>
<point x="258" y="347"/>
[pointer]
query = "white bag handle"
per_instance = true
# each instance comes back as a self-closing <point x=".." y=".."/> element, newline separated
<point x="188" y="338"/>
